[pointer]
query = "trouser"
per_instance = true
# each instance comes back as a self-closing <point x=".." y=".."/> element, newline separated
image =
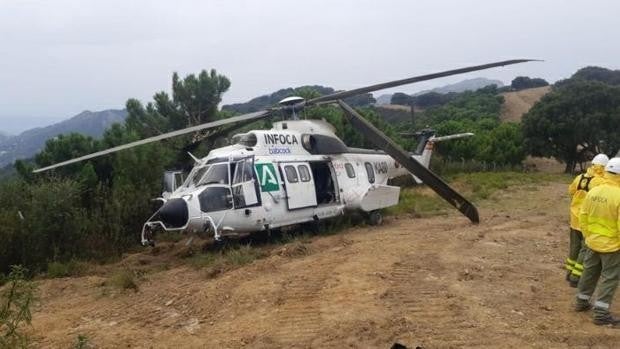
<point x="576" y="250"/>
<point x="605" y="266"/>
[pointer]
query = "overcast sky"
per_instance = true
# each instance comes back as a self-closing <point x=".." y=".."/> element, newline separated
<point x="58" y="58"/>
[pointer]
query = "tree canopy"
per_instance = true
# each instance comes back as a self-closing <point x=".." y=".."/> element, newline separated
<point x="523" y="82"/>
<point x="578" y="119"/>
<point x="477" y="112"/>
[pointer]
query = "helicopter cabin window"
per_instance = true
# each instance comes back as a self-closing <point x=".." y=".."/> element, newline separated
<point x="350" y="170"/>
<point x="304" y="173"/>
<point x="215" y="199"/>
<point x="291" y="174"/>
<point x="370" y="172"/>
<point x="217" y="174"/>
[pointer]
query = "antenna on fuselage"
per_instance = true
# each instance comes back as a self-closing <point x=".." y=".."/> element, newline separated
<point x="292" y="106"/>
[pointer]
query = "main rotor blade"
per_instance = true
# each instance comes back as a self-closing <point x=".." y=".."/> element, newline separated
<point x="345" y="94"/>
<point x="241" y="118"/>
<point x="383" y="142"/>
<point x="216" y="134"/>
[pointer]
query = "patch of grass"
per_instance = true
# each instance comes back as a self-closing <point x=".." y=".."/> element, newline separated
<point x="203" y="260"/>
<point x="482" y="185"/>
<point x="243" y="255"/>
<point x="415" y="200"/>
<point x="474" y="186"/>
<point x="229" y="258"/>
<point x="82" y="342"/>
<point x="124" y="279"/>
<point x="71" y="268"/>
<point x="170" y="236"/>
<point x="296" y="248"/>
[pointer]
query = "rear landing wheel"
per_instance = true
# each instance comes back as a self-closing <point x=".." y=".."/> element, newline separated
<point x="375" y="217"/>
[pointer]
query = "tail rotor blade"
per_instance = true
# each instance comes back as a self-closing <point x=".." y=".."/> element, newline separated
<point x="380" y="140"/>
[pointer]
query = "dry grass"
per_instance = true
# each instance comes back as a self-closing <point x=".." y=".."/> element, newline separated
<point x="519" y="102"/>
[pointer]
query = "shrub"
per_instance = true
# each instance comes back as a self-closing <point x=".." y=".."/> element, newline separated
<point x="124" y="279"/>
<point x="15" y="301"/>
<point x="71" y="268"/>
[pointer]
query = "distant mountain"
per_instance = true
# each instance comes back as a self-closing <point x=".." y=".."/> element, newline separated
<point x="270" y="100"/>
<point x="30" y="142"/>
<point x="462" y="86"/>
<point x="4" y="136"/>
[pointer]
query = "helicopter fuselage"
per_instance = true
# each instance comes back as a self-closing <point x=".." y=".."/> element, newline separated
<point x="299" y="171"/>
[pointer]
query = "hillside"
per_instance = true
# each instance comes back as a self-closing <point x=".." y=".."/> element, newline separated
<point x="431" y="282"/>
<point x="519" y="102"/>
<point x="266" y="101"/>
<point x="30" y="142"/>
<point x="462" y="86"/>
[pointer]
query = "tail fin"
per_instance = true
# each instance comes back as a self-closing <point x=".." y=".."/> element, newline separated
<point x="426" y="143"/>
<point x="428" y="148"/>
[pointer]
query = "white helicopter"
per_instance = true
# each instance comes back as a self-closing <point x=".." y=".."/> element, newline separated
<point x="299" y="171"/>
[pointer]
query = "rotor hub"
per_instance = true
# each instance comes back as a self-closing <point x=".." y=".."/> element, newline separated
<point x="291" y="106"/>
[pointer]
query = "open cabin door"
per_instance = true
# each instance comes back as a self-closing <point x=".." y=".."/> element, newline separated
<point x="300" y="190"/>
<point x="244" y="185"/>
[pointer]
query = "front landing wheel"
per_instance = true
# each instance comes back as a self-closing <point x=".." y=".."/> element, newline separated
<point x="375" y="217"/>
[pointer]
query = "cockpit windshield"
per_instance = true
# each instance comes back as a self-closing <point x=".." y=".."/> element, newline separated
<point x="217" y="174"/>
<point x="194" y="176"/>
<point x="210" y="174"/>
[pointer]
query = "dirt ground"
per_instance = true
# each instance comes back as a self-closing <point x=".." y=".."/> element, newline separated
<point x="519" y="102"/>
<point x="434" y="283"/>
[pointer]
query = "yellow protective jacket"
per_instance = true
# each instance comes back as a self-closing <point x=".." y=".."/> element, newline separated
<point x="579" y="188"/>
<point x="599" y="216"/>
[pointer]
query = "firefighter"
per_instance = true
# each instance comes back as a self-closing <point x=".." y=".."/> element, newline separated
<point x="599" y="218"/>
<point x="577" y="191"/>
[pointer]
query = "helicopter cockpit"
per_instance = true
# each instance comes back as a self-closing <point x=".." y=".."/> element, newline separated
<point x="210" y="190"/>
<point x="222" y="184"/>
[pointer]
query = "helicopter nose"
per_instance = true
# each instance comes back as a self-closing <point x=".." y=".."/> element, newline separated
<point x="174" y="213"/>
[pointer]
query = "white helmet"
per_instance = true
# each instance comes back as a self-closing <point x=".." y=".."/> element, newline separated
<point x="613" y="166"/>
<point x="600" y="159"/>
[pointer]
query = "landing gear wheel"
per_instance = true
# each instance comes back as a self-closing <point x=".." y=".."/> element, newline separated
<point x="375" y="217"/>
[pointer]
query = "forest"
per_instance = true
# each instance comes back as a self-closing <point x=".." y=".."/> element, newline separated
<point x="93" y="211"/>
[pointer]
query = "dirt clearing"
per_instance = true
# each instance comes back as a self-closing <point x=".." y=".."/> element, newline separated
<point x="520" y="102"/>
<point x="434" y="282"/>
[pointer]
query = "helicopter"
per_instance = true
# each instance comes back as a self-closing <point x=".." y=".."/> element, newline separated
<point x="297" y="172"/>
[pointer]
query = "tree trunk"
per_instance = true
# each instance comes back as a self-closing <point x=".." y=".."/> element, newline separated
<point x="570" y="166"/>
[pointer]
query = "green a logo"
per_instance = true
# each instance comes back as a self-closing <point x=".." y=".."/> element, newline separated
<point x="267" y="177"/>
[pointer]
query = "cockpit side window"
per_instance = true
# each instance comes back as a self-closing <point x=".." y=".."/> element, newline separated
<point x="215" y="199"/>
<point x="243" y="172"/>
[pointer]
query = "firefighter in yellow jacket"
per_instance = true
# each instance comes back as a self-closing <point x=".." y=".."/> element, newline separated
<point x="599" y="219"/>
<point x="577" y="191"/>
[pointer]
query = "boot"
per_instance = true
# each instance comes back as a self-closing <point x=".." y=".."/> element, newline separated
<point x="607" y="320"/>
<point x="582" y="306"/>
<point x="573" y="283"/>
